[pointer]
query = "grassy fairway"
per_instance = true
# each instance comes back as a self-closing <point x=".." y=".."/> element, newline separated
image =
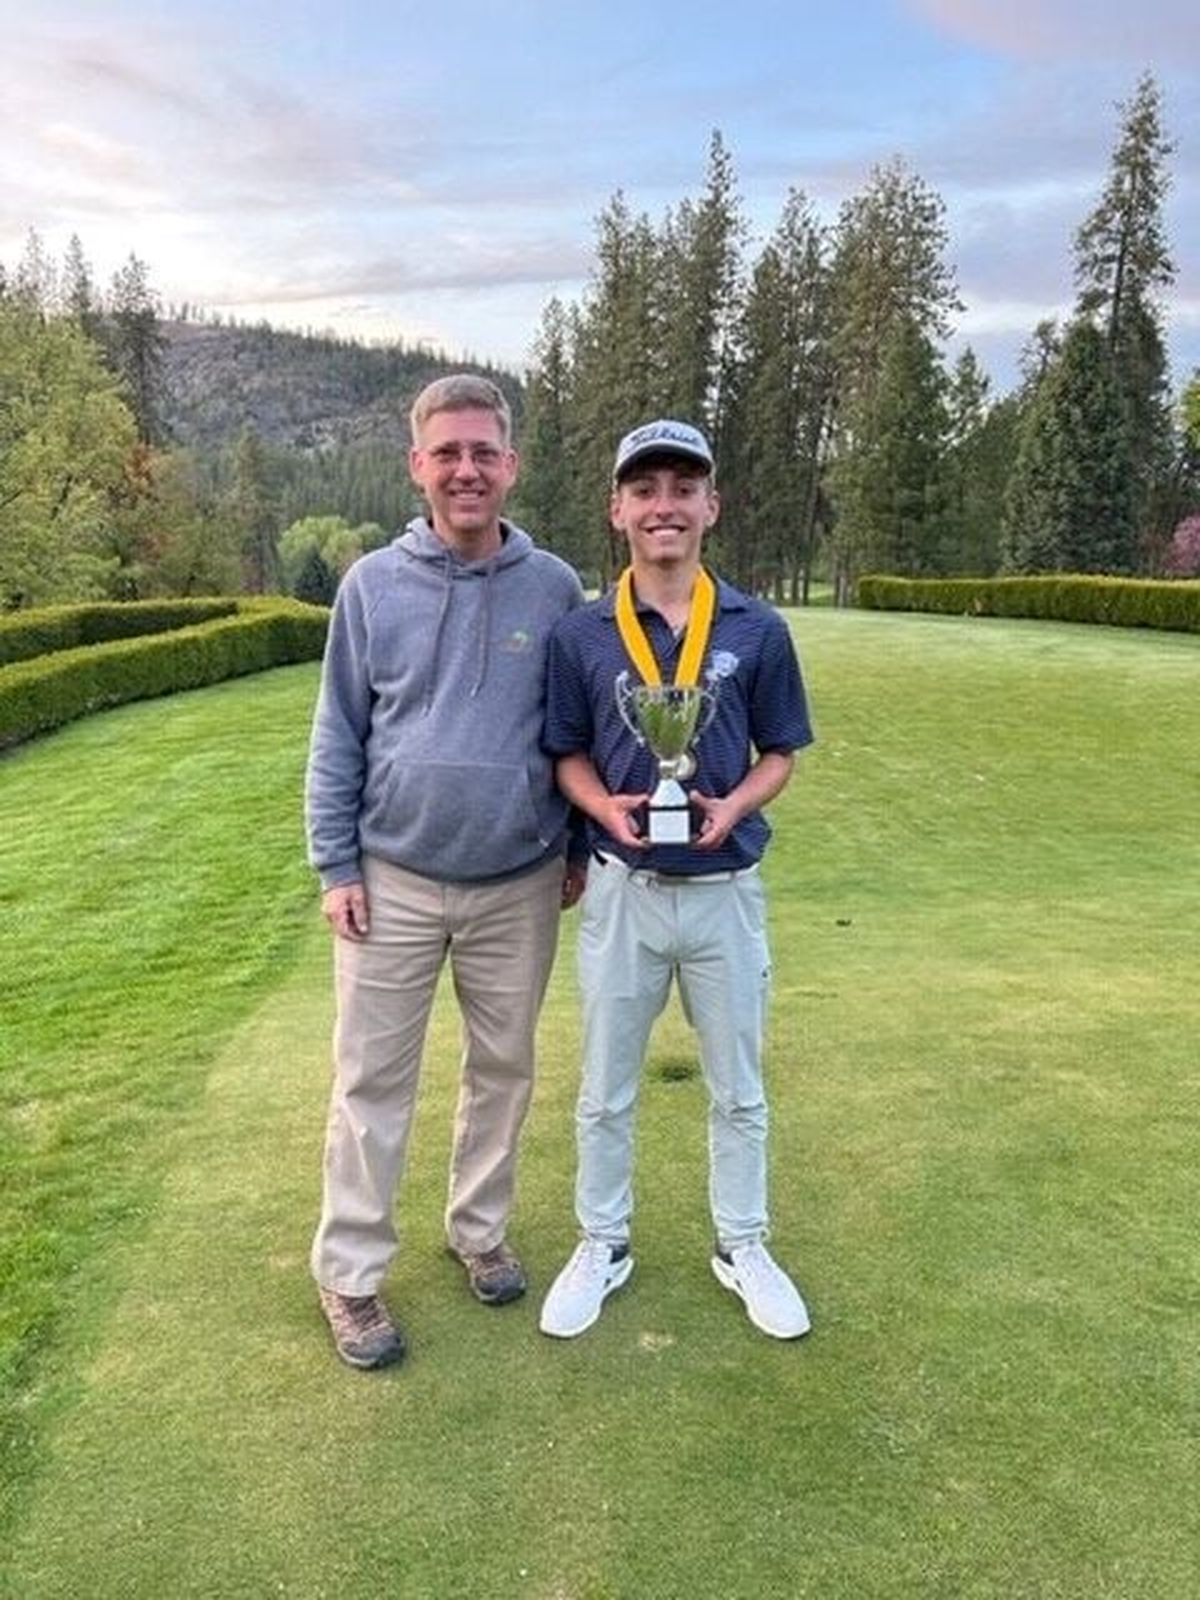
<point x="151" y="889"/>
<point x="985" y="1106"/>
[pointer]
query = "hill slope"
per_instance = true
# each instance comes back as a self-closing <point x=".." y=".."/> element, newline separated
<point x="295" y="390"/>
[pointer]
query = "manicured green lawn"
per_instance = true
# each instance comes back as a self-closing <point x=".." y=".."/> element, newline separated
<point x="152" y="889"/>
<point x="985" y="1103"/>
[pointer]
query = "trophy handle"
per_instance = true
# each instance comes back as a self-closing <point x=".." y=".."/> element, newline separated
<point x="708" y="710"/>
<point x="625" y="706"/>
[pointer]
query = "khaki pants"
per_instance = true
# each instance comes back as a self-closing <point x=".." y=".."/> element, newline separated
<point x="500" y="939"/>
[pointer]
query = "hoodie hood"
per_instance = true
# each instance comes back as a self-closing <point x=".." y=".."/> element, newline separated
<point x="421" y="543"/>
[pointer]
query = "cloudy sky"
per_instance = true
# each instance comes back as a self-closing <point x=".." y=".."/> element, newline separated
<point x="433" y="172"/>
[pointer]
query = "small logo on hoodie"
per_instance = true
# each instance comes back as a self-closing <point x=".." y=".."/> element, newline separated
<point x="517" y="643"/>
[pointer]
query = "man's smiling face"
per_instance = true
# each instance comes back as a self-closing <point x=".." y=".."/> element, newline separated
<point x="465" y="469"/>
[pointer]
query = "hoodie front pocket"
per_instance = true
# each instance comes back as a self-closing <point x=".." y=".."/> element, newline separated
<point x="460" y="819"/>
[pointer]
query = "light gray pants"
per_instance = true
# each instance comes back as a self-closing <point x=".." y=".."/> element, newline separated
<point x="500" y="939"/>
<point x="636" y="932"/>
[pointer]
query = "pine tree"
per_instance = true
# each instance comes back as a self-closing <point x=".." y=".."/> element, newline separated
<point x="251" y="503"/>
<point x="1071" y="498"/>
<point x="315" y="583"/>
<point x="972" y="512"/>
<point x="785" y="391"/>
<point x="765" y="425"/>
<point x="36" y="281"/>
<point x="1122" y="267"/>
<point x="701" y="271"/>
<point x="1121" y="257"/>
<point x="981" y="448"/>
<point x="616" y="369"/>
<point x="889" y="264"/>
<point x="78" y="289"/>
<point x="889" y="487"/>
<point x="888" y="270"/>
<point x="1038" y="354"/>
<point x="544" y="493"/>
<point x="136" y="344"/>
<point x="966" y="398"/>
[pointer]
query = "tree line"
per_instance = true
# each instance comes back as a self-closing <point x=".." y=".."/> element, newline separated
<point x="121" y="480"/>
<point x="844" y="442"/>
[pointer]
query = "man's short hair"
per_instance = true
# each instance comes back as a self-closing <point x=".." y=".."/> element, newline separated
<point x="460" y="391"/>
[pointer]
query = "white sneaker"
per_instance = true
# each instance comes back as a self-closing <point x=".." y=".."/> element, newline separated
<point x="771" y="1299"/>
<point x="577" y="1295"/>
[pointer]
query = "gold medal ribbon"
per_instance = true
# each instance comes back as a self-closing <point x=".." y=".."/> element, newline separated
<point x="695" y="640"/>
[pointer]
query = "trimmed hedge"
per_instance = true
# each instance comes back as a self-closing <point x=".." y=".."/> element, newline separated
<point x="25" y="634"/>
<point x="1063" y="597"/>
<point x="43" y="693"/>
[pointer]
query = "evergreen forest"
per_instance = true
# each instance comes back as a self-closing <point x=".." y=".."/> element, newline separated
<point x="149" y="450"/>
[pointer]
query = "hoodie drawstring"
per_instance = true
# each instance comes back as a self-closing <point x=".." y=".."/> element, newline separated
<point x="443" y="613"/>
<point x="485" y="628"/>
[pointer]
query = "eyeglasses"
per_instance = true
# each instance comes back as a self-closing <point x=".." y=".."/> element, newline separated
<point x="486" y="456"/>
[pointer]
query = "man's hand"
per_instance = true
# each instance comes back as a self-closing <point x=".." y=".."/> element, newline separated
<point x="345" y="909"/>
<point x="720" y="819"/>
<point x="574" y="883"/>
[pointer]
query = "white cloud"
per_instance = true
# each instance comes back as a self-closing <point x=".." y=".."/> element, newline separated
<point x="453" y="261"/>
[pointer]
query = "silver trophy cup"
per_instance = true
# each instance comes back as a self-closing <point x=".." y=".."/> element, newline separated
<point x="667" y="720"/>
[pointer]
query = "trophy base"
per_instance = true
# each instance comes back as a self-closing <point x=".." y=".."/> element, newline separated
<point x="669" y="814"/>
<point x="669" y="825"/>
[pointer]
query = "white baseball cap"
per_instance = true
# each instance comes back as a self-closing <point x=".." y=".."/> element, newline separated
<point x="662" y="438"/>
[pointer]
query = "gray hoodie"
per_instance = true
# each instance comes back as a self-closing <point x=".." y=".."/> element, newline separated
<point x="426" y="741"/>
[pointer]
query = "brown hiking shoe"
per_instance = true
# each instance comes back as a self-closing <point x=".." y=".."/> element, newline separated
<point x="496" y="1276"/>
<point x="362" y="1329"/>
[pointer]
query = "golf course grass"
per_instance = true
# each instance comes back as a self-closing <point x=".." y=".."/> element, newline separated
<point x="984" y="1094"/>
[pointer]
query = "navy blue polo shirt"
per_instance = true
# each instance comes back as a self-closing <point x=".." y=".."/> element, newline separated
<point x="752" y="671"/>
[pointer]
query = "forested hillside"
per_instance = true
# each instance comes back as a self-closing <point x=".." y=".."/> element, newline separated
<point x="299" y="431"/>
<point x="294" y="390"/>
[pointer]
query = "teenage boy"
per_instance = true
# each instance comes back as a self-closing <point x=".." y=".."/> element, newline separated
<point x="693" y="909"/>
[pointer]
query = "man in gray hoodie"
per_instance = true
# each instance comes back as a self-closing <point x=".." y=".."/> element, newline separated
<point x="436" y="829"/>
